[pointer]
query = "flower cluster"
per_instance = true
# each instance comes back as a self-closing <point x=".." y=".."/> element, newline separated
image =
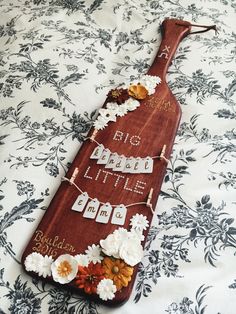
<point x="114" y="110"/>
<point x="103" y="269"/>
<point x="39" y="264"/>
<point x="123" y="244"/>
<point x="122" y="100"/>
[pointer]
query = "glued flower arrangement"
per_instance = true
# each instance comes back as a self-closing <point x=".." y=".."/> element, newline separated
<point x="64" y="268"/>
<point x="39" y="264"/>
<point x="118" y="271"/>
<point x="104" y="269"/>
<point x="122" y="100"/>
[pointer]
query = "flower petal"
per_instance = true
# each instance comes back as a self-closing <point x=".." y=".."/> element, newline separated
<point x="138" y="91"/>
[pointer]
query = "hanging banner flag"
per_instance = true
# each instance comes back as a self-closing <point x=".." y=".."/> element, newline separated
<point x="104" y="213"/>
<point x="104" y="157"/>
<point x="119" y="215"/>
<point x="80" y="202"/>
<point x="138" y="165"/>
<point x="91" y="209"/>
<point x="129" y="164"/>
<point x="112" y="160"/>
<point x="120" y="163"/>
<point x="97" y="153"/>
<point x="148" y="165"/>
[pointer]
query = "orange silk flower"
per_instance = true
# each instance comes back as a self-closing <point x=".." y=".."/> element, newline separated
<point x="118" y="271"/>
<point x="138" y="91"/>
<point x="89" y="277"/>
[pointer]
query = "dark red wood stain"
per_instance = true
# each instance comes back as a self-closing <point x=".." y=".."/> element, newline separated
<point x="155" y="122"/>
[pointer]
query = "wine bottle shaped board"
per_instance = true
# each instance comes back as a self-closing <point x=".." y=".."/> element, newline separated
<point x="92" y="235"/>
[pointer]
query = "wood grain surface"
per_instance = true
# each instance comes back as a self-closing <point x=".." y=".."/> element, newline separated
<point x="154" y="124"/>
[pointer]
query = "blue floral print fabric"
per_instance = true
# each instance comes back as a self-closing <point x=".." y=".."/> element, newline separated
<point x="58" y="60"/>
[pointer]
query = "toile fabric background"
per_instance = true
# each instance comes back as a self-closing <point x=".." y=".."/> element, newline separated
<point x="58" y="60"/>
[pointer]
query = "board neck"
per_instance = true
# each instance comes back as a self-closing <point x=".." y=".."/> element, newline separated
<point x="173" y="31"/>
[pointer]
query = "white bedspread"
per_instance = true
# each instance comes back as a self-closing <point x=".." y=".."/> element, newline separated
<point x="58" y="60"/>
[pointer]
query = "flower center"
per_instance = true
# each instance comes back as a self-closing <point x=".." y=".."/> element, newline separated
<point x="91" y="279"/>
<point x="115" y="270"/>
<point x="64" y="269"/>
<point x="115" y="93"/>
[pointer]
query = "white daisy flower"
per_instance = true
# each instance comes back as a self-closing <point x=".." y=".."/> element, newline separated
<point x="139" y="222"/>
<point x="108" y="114"/>
<point x="131" y="251"/>
<point x="44" y="268"/>
<point x="131" y="104"/>
<point x="64" y="268"/>
<point x="33" y="261"/>
<point x="94" y="254"/>
<point x="100" y="123"/>
<point x="122" y="110"/>
<point x="106" y="289"/>
<point x="82" y="259"/>
<point x="112" y="106"/>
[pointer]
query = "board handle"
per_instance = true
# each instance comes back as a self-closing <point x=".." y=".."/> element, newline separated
<point x="173" y="31"/>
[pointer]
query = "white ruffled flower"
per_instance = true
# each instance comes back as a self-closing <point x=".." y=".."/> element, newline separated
<point x="94" y="254"/>
<point x="121" y="234"/>
<point x="44" y="268"/>
<point x="100" y="123"/>
<point x="131" y="104"/>
<point x="82" y="259"/>
<point x="106" y="289"/>
<point x="136" y="234"/>
<point x="33" y="261"/>
<point x="64" y="268"/>
<point x="110" y="115"/>
<point x="110" y="246"/>
<point x="139" y="222"/>
<point x="125" y="245"/>
<point x="131" y="251"/>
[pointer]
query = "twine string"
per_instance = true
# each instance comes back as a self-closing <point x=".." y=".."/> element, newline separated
<point x="161" y="156"/>
<point x="71" y="181"/>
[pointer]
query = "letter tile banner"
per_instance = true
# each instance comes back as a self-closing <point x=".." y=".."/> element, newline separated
<point x="102" y="212"/>
<point x="122" y="163"/>
<point x="58" y="61"/>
